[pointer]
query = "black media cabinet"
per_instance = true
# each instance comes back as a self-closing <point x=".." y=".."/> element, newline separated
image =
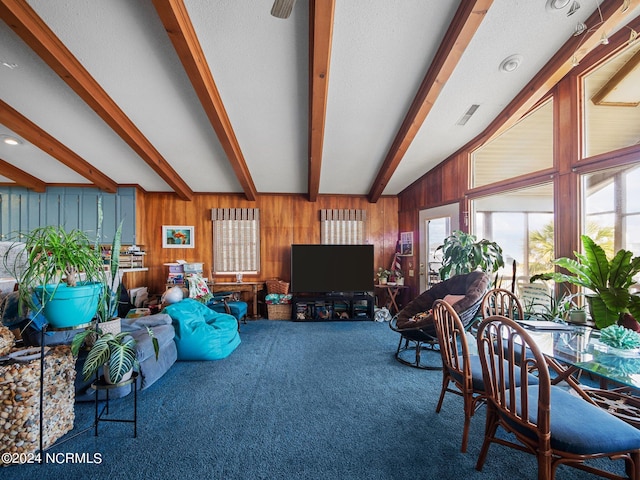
<point x="332" y="307"/>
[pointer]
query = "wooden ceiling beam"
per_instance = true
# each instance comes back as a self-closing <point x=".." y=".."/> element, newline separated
<point x="32" y="133"/>
<point x="22" y="178"/>
<point x="34" y="32"/>
<point x="459" y="34"/>
<point x="176" y="21"/>
<point x="321" y="13"/>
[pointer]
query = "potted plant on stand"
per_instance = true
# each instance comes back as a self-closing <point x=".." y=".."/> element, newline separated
<point x="115" y="353"/>
<point x="62" y="278"/>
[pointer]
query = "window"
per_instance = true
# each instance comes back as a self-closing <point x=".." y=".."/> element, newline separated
<point x="612" y="104"/>
<point x="342" y="227"/>
<point x="521" y="222"/>
<point x="236" y="240"/>
<point x="524" y="148"/>
<point x="611" y="208"/>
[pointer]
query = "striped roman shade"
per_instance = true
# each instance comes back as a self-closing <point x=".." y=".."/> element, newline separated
<point x="236" y="240"/>
<point x="343" y="227"/>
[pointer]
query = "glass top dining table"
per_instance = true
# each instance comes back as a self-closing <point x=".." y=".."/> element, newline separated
<point x="573" y="348"/>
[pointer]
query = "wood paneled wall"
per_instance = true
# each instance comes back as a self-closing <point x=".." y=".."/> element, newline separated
<point x="284" y="220"/>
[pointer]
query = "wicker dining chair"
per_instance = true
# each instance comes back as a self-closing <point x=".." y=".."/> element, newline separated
<point x="499" y="301"/>
<point x="459" y="367"/>
<point x="546" y="420"/>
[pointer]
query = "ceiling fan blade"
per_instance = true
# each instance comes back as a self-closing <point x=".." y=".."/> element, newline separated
<point x="282" y="8"/>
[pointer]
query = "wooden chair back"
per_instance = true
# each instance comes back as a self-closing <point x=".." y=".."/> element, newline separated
<point x="499" y="301"/>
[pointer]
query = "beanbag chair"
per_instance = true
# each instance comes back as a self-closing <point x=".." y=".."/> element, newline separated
<point x="201" y="333"/>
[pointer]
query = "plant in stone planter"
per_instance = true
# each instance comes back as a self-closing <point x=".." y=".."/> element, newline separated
<point x="114" y="352"/>
<point x="50" y="283"/>
<point x="464" y="253"/>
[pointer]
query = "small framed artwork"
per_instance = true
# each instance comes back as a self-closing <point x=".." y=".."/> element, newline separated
<point x="406" y="244"/>
<point x="177" y="236"/>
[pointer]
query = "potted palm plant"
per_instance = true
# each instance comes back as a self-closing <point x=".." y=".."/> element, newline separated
<point x="62" y="278"/>
<point x="608" y="281"/>
<point x="115" y="353"/>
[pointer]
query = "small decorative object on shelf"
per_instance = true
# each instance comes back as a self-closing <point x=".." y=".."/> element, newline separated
<point x="383" y="275"/>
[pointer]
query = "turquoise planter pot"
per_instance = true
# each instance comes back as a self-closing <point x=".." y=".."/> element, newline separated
<point x="67" y="307"/>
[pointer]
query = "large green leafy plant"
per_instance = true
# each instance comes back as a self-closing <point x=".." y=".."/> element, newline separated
<point x="464" y="253"/>
<point x="54" y="257"/>
<point x="113" y="351"/>
<point x="608" y="281"/>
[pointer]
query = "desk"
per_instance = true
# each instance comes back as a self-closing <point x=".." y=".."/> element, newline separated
<point x="390" y="293"/>
<point x="250" y="288"/>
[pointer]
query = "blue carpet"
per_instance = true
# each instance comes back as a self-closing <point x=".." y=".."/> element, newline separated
<point x="294" y="401"/>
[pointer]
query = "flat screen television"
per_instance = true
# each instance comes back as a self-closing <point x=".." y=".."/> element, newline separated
<point x="331" y="268"/>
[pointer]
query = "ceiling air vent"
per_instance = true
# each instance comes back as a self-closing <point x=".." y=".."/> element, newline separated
<point x="465" y="118"/>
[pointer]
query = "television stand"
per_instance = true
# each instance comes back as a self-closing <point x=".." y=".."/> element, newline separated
<point x="332" y="306"/>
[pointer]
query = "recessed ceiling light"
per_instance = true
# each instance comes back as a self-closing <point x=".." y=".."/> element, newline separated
<point x="510" y="63"/>
<point x="557" y="4"/>
<point x="9" y="140"/>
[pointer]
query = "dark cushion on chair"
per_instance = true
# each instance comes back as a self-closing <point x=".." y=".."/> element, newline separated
<point x="580" y="427"/>
<point x="476" y="374"/>
<point x="472" y="285"/>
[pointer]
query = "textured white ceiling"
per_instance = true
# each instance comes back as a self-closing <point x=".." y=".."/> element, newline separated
<point x="381" y="52"/>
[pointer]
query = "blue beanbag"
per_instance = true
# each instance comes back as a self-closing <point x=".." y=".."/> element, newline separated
<point x="201" y="333"/>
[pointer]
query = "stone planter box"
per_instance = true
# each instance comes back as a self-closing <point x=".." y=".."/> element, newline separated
<point x="20" y="401"/>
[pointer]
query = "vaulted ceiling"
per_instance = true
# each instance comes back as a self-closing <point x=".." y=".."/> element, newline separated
<point x="356" y="97"/>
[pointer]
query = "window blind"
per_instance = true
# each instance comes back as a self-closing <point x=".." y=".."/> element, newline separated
<point x="342" y="227"/>
<point x="236" y="240"/>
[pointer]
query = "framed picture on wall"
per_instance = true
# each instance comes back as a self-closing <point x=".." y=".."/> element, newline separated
<point x="177" y="236"/>
<point x="406" y="244"/>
